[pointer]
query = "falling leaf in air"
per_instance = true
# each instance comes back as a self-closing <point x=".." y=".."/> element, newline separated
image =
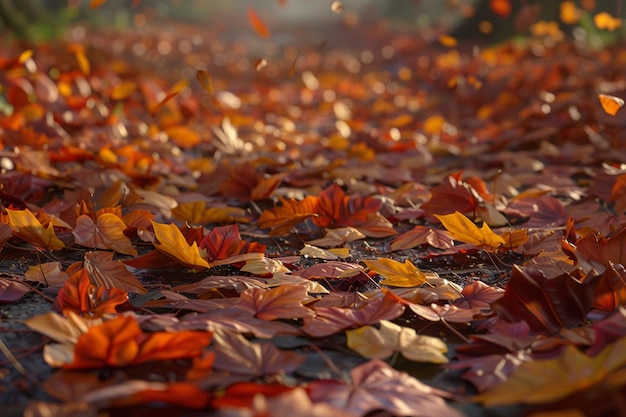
<point x="173" y="92"/>
<point x="257" y="24"/>
<point x="389" y="338"/>
<point x="610" y="104"/>
<point x="27" y="227"/>
<point x="463" y="229"/>
<point x="171" y="242"/>
<point x="205" y="80"/>
<point x="397" y="274"/>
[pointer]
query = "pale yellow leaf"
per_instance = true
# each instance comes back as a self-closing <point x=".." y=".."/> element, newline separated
<point x="397" y="274"/>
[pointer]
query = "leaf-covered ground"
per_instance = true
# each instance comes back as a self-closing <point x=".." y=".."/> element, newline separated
<point x="250" y="220"/>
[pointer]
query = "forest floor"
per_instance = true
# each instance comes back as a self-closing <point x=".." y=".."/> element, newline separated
<point x="366" y="221"/>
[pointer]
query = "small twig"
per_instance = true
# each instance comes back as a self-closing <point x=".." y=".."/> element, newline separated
<point x="14" y="362"/>
<point x="453" y="330"/>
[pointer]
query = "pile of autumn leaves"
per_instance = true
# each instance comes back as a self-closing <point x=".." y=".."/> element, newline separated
<point x="539" y="322"/>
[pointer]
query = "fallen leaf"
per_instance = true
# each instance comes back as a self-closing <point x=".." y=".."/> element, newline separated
<point x="376" y="386"/>
<point x="282" y="219"/>
<point x="235" y="354"/>
<point x="396" y="274"/>
<point x="172" y="243"/>
<point x="544" y="381"/>
<point x="283" y="302"/>
<point x="11" y="290"/>
<point x="330" y="320"/>
<point x="106" y="233"/>
<point x="80" y="296"/>
<point x="197" y="213"/>
<point x="108" y="273"/>
<point x="121" y="342"/>
<point x="420" y="235"/>
<point x="27" y="227"/>
<point x="463" y="229"/>
<point x="389" y="338"/>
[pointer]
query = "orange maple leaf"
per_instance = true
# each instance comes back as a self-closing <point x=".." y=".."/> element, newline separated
<point x="80" y="296"/>
<point x="121" y="342"/>
<point x="285" y="217"/>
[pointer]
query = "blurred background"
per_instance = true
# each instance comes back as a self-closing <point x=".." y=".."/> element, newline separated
<point x="36" y="19"/>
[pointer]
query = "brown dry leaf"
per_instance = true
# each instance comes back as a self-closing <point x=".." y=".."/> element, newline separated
<point x="106" y="233"/>
<point x="283" y="302"/>
<point x="330" y="320"/>
<point x="545" y="381"/>
<point x="108" y="273"/>
<point x="49" y="273"/>
<point x="237" y="355"/>
<point x="11" y="290"/>
<point x="377" y="386"/>
<point x="197" y="213"/>
<point x="420" y="235"/>
<point x="338" y="237"/>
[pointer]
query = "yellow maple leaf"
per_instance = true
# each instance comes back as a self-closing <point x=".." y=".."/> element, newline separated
<point x="172" y="243"/>
<point x="463" y="229"/>
<point x="397" y="274"/>
<point x="27" y="227"/>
